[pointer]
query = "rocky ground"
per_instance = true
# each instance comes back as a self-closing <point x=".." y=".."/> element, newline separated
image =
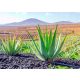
<point x="75" y="64"/>
<point x="29" y="61"/>
<point x="21" y="61"/>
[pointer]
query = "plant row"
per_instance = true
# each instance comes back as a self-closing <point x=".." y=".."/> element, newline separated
<point x="47" y="48"/>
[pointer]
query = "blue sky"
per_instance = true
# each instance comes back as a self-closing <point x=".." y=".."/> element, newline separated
<point x="8" y="17"/>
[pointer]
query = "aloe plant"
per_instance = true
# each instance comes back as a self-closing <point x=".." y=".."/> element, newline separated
<point x="11" y="46"/>
<point x="50" y="47"/>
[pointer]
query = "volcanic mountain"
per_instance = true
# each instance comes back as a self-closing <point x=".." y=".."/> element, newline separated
<point x="28" y="22"/>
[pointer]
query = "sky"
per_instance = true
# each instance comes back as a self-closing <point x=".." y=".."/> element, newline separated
<point x="9" y="17"/>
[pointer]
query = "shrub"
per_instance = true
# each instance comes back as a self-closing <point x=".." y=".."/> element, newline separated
<point x="12" y="46"/>
<point x="50" y="47"/>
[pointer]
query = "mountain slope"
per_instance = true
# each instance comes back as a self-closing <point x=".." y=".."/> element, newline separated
<point x="28" y="22"/>
<point x="63" y="22"/>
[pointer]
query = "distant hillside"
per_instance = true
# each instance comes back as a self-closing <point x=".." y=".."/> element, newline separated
<point x="28" y="22"/>
<point x="63" y="22"/>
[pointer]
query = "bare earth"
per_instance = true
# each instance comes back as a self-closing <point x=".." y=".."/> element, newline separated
<point x="21" y="31"/>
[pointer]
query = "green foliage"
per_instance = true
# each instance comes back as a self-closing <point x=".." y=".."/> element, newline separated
<point x="71" y="48"/>
<point x="75" y="56"/>
<point x="62" y="67"/>
<point x="50" y="46"/>
<point x="0" y="46"/>
<point x="58" y="67"/>
<point x="11" y="46"/>
<point x="25" y="47"/>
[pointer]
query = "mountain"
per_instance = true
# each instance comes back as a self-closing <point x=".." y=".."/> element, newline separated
<point x="28" y="22"/>
<point x="34" y="22"/>
<point x="63" y="22"/>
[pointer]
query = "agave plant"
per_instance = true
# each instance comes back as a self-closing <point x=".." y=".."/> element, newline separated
<point x="11" y="46"/>
<point x="50" y="46"/>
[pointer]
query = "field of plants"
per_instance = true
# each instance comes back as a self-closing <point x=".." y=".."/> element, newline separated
<point x="56" y="47"/>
